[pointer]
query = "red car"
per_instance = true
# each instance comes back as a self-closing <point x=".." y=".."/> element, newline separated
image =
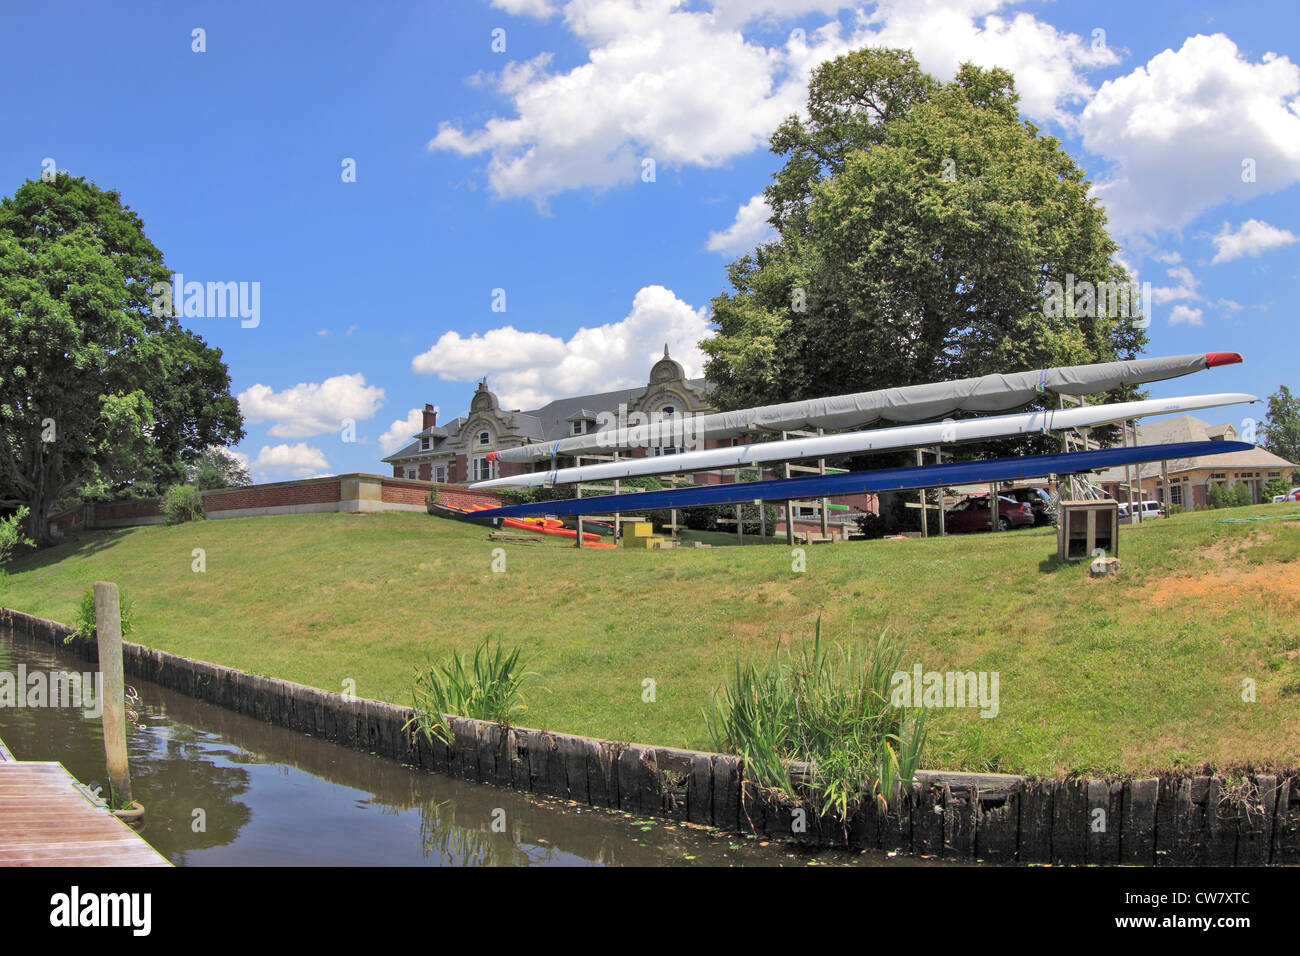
<point x="972" y="514"/>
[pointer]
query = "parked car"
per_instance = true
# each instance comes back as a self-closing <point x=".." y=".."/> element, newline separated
<point x="1037" y="499"/>
<point x="1147" y="509"/>
<point x="972" y="514"/>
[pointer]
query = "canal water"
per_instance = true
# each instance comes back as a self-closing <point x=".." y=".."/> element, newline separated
<point x="223" y="789"/>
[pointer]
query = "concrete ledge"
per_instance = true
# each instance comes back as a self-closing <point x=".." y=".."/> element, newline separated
<point x="1172" y="819"/>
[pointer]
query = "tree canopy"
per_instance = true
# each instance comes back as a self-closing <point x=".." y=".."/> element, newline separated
<point x="1282" y="427"/>
<point x="925" y="233"/>
<point x="98" y="395"/>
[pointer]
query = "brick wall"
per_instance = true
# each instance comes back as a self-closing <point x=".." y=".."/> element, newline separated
<point x="460" y="498"/>
<point x="121" y="510"/>
<point x="405" y="491"/>
<point x="278" y="495"/>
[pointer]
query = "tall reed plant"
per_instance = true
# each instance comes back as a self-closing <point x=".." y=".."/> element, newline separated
<point x="486" y="686"/>
<point x="828" y="708"/>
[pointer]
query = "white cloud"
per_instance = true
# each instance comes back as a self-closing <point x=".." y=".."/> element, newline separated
<point x="1049" y="64"/>
<point x="1185" y="289"/>
<point x="1251" y="238"/>
<point x="1183" y="313"/>
<point x="748" y="230"/>
<point x="688" y="87"/>
<point x="400" y="431"/>
<point x="455" y="359"/>
<point x="309" y="408"/>
<point x="541" y="9"/>
<point x="528" y="369"/>
<point x="1180" y="128"/>
<point x="292" y="461"/>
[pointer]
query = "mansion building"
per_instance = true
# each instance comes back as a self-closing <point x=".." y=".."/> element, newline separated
<point x="457" y="452"/>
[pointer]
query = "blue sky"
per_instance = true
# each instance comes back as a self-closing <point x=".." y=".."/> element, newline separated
<point x="523" y="170"/>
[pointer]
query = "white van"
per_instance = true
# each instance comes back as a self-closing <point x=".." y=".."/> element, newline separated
<point x="1146" y="509"/>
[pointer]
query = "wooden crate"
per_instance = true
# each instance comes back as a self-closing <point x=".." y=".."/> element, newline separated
<point x="1086" y="527"/>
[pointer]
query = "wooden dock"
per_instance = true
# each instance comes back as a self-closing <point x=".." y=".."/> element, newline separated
<point x="46" y="820"/>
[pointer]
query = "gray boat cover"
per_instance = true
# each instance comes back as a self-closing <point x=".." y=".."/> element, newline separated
<point x="910" y="404"/>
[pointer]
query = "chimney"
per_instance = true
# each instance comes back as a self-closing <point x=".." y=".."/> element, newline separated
<point x="430" y="416"/>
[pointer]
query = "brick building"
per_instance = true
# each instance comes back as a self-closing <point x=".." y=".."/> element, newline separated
<point x="457" y="452"/>
<point x="1190" y="478"/>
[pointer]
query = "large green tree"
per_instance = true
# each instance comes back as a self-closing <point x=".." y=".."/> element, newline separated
<point x="922" y="226"/>
<point x="98" y="394"/>
<point x="1282" y="427"/>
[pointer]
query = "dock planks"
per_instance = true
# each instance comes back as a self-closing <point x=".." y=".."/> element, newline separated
<point x="46" y="821"/>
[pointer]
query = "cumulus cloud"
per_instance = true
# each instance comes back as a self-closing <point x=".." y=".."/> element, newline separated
<point x="540" y="9"/>
<point x="400" y="431"/>
<point x="310" y="408"/>
<point x="1186" y="287"/>
<point x="290" y="461"/>
<point x="688" y="87"/>
<point x="748" y="230"/>
<point x="1192" y="129"/>
<point x="529" y="369"/>
<point x="1251" y="238"/>
<point x="1185" y="313"/>
<point x="1049" y="64"/>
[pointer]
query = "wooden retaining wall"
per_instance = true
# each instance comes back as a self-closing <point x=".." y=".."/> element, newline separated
<point x="1168" y="820"/>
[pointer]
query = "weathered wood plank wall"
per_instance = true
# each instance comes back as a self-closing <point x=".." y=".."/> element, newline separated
<point x="1168" y="820"/>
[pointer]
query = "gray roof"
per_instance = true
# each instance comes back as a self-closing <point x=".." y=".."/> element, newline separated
<point x="1184" y="428"/>
<point x="556" y="416"/>
<point x="548" y="423"/>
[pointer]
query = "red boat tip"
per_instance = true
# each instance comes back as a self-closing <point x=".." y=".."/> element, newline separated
<point x="1213" y="359"/>
<point x="492" y="456"/>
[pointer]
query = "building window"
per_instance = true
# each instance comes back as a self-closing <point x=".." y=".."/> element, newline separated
<point x="439" y="472"/>
<point x="577" y="427"/>
<point x="410" y="473"/>
<point x="425" y="444"/>
<point x="1176" y="494"/>
<point x="484" y="438"/>
<point x="668" y="411"/>
<point x="482" y="469"/>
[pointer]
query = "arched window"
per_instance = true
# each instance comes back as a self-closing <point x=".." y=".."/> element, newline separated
<point x="484" y="438"/>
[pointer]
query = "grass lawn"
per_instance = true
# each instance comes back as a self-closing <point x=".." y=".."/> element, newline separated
<point x="1140" y="673"/>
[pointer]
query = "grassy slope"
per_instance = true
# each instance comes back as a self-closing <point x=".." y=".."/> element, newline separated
<point x="1135" y="674"/>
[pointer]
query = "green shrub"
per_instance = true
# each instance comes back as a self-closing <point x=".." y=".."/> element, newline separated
<point x="183" y="503"/>
<point x="1275" y="486"/>
<point x="1217" y="496"/>
<point x="830" y="709"/>
<point x="11" y="534"/>
<point x="85" y="621"/>
<point x="484" y="688"/>
<point x="1241" y="495"/>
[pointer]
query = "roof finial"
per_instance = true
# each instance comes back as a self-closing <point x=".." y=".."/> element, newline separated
<point x="665" y="350"/>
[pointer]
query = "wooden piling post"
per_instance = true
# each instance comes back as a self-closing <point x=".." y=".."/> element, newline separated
<point x="108" y="631"/>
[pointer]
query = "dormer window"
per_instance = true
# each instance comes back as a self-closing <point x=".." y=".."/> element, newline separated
<point x="578" y="427"/>
<point x="484" y="438"/>
<point x="426" y="443"/>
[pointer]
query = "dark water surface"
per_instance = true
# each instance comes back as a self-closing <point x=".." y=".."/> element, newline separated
<point x="270" y="796"/>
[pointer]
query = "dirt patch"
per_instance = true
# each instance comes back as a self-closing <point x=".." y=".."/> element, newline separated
<point x="1226" y="586"/>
